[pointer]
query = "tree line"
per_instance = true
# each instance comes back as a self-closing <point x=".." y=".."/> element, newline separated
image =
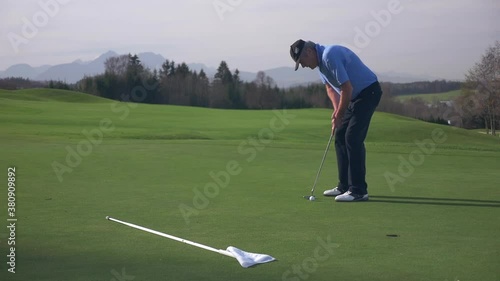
<point x="177" y="84"/>
<point x="478" y="106"/>
<point x="126" y="79"/>
<point x="15" y="83"/>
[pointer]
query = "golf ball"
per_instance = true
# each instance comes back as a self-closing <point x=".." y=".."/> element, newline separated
<point x="312" y="198"/>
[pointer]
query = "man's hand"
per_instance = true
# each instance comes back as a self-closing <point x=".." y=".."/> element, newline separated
<point x="339" y="104"/>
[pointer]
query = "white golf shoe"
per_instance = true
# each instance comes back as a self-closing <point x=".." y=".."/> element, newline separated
<point x="351" y="197"/>
<point x="333" y="192"/>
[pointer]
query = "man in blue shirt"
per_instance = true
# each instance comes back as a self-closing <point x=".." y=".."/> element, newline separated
<point x="355" y="93"/>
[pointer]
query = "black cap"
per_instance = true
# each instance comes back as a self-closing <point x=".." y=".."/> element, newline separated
<point x="296" y="50"/>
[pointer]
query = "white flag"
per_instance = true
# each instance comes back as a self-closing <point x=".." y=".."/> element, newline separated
<point x="247" y="259"/>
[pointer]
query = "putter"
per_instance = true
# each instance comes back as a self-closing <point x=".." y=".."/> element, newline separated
<point x="311" y="197"/>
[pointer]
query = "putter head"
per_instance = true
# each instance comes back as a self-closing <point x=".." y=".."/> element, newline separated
<point x="308" y="197"/>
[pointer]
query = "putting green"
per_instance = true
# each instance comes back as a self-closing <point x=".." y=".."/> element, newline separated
<point x="227" y="177"/>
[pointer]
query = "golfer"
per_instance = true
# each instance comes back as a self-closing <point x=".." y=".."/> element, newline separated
<point x="355" y="93"/>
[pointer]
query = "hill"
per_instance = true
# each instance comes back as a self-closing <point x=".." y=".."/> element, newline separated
<point x="41" y="94"/>
<point x="142" y="121"/>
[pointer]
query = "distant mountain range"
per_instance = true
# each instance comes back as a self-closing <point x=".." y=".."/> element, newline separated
<point x="74" y="71"/>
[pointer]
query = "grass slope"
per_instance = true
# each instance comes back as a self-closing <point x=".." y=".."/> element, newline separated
<point x="50" y="95"/>
<point x="446" y="96"/>
<point x="156" y="159"/>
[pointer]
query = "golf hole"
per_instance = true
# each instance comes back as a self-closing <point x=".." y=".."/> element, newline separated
<point x="392" y="235"/>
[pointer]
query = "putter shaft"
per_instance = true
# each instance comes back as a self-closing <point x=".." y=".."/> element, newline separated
<point x="322" y="161"/>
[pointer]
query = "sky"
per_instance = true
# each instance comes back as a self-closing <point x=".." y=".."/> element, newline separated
<point x="442" y="39"/>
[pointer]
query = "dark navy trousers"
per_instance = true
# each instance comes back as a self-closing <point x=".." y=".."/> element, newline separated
<point x="350" y="137"/>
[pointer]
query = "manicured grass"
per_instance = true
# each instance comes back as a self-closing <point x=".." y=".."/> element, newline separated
<point x="152" y="160"/>
<point x="446" y="96"/>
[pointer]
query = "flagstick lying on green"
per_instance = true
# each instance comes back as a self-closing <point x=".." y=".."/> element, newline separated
<point x="245" y="259"/>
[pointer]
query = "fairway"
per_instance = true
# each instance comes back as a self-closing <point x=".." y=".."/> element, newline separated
<point x="433" y="97"/>
<point x="237" y="178"/>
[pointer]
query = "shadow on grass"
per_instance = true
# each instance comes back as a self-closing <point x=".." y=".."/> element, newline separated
<point x="435" y="201"/>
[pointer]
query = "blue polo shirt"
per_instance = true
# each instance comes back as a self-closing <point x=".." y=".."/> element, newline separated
<point x="338" y="64"/>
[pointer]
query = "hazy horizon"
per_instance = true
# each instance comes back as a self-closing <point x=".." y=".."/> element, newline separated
<point x="440" y="39"/>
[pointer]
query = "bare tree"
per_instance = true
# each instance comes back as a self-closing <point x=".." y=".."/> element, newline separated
<point x="117" y="65"/>
<point x="262" y="80"/>
<point x="483" y="80"/>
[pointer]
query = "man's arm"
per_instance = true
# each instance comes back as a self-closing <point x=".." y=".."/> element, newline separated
<point x="334" y="97"/>
<point x="345" y="98"/>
